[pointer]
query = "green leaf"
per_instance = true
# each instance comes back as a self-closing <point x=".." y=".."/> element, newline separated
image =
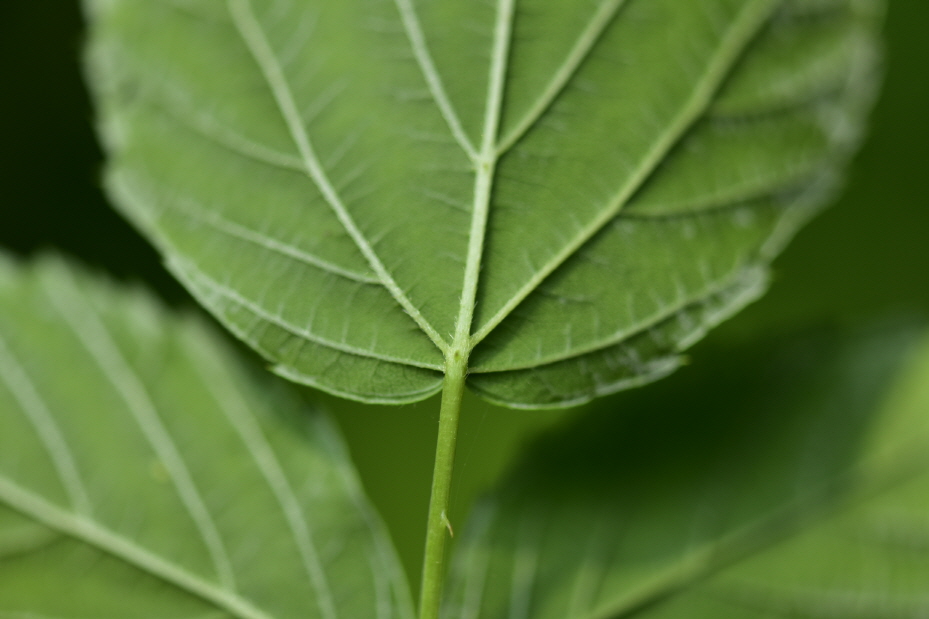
<point x="787" y="481"/>
<point x="568" y="193"/>
<point x="144" y="474"/>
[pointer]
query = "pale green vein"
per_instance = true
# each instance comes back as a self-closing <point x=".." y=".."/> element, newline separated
<point x="382" y="605"/>
<point x="226" y="137"/>
<point x="486" y="169"/>
<point x="594" y="30"/>
<point x="42" y="419"/>
<point x="90" y="532"/>
<point x="232" y="404"/>
<point x="649" y="372"/>
<point x="590" y="573"/>
<point x="407" y="397"/>
<point x="417" y="40"/>
<point x="210" y="218"/>
<point x="79" y="314"/>
<point x="199" y="279"/>
<point x="744" y="286"/>
<point x="379" y="533"/>
<point x="737" y="38"/>
<point x="525" y="570"/>
<point x="256" y="42"/>
<point x="475" y="563"/>
<point x="687" y="570"/>
<point x="779" y="525"/>
<point x="781" y="196"/>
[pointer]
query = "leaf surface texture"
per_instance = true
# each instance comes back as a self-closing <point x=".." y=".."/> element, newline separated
<point x="794" y="485"/>
<point x="145" y="475"/>
<point x="582" y="188"/>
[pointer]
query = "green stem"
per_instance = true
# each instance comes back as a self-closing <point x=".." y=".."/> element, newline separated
<point x="438" y="529"/>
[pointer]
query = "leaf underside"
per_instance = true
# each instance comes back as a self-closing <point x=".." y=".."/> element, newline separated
<point x="144" y="476"/>
<point x="794" y="484"/>
<point x="337" y="181"/>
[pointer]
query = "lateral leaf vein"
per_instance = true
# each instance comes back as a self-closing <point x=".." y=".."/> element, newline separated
<point x="742" y="31"/>
<point x="258" y="45"/>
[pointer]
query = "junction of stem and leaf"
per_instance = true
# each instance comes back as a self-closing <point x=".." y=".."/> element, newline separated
<point x="457" y="355"/>
<point x="438" y="530"/>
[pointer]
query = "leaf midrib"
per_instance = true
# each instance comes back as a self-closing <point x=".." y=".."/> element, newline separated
<point x="740" y="34"/>
<point x="582" y="48"/>
<point x="484" y="160"/>
<point x="492" y="148"/>
<point x="486" y="167"/>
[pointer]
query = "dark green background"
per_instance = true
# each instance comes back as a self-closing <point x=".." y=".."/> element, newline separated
<point x="863" y="260"/>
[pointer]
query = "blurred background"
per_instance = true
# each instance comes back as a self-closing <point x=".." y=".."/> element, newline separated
<point x="864" y="260"/>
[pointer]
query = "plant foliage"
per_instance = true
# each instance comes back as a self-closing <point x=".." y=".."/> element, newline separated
<point x="152" y="479"/>
<point x="387" y="198"/>
<point x="143" y="474"/>
<point x="565" y="193"/>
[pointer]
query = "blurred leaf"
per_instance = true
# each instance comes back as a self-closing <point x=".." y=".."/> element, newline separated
<point x="355" y="187"/>
<point x="143" y="474"/>
<point x="789" y="480"/>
